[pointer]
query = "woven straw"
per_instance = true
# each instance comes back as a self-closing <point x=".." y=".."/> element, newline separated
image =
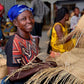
<point x="69" y="71"/>
<point x="81" y="42"/>
<point x="80" y="24"/>
<point x="72" y="62"/>
<point x="2" y="62"/>
<point x="66" y="58"/>
<point x="78" y="51"/>
<point x="3" y="67"/>
<point x="54" y="76"/>
<point x="3" y="71"/>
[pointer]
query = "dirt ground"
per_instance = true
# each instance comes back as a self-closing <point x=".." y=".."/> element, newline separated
<point x="43" y="45"/>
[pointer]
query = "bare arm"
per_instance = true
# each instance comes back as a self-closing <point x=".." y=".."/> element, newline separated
<point x="29" y="72"/>
<point x="59" y="31"/>
<point x="60" y="34"/>
<point x="25" y="73"/>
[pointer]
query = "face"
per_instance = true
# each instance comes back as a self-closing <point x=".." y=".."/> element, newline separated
<point x="76" y="11"/>
<point x="67" y="17"/>
<point x="24" y="22"/>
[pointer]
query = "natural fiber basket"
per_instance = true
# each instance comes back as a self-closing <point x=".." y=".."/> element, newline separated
<point x="80" y="24"/>
<point x="3" y="67"/>
<point x="3" y="71"/>
<point x="72" y="62"/>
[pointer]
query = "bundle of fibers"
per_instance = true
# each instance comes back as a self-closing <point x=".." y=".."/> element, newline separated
<point x="78" y="51"/>
<point x="80" y="25"/>
<point x="72" y="62"/>
<point x="69" y="71"/>
<point x="26" y="67"/>
<point x="54" y="76"/>
<point x="77" y="69"/>
<point x="81" y="42"/>
<point x="2" y="60"/>
<point x="67" y="58"/>
<point x="3" y="67"/>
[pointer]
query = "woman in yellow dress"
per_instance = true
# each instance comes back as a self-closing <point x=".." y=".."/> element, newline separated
<point x="59" y="31"/>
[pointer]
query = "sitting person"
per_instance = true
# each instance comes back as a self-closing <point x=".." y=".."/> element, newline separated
<point x="59" y="31"/>
<point x="20" y="49"/>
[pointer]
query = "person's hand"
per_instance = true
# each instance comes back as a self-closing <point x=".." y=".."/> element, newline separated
<point x="54" y="54"/>
<point x="37" y="60"/>
<point x="52" y="63"/>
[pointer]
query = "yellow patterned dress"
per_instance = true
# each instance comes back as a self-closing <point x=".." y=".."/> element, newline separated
<point x="55" y="42"/>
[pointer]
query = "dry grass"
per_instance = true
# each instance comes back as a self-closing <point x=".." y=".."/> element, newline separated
<point x="3" y="67"/>
<point x="72" y="62"/>
<point x="53" y="76"/>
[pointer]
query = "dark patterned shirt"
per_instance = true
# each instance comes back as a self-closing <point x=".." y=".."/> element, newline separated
<point x="20" y="51"/>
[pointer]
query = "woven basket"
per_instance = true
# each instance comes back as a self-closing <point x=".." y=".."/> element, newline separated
<point x="3" y="67"/>
<point x="80" y="25"/>
<point x="3" y="71"/>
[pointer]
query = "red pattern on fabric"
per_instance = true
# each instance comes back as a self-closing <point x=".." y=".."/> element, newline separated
<point x="23" y="50"/>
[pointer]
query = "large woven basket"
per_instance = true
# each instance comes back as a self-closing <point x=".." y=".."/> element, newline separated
<point x="72" y="62"/>
<point x="3" y="67"/>
<point x="80" y="24"/>
<point x="3" y="71"/>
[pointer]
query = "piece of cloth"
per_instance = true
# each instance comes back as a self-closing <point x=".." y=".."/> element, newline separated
<point x="39" y="9"/>
<point x="20" y="51"/>
<point x="1" y="8"/>
<point x="73" y="22"/>
<point x="9" y="27"/>
<point x="54" y="40"/>
<point x="16" y="10"/>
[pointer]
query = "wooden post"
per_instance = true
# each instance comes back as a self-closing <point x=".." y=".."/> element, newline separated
<point x="52" y="16"/>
